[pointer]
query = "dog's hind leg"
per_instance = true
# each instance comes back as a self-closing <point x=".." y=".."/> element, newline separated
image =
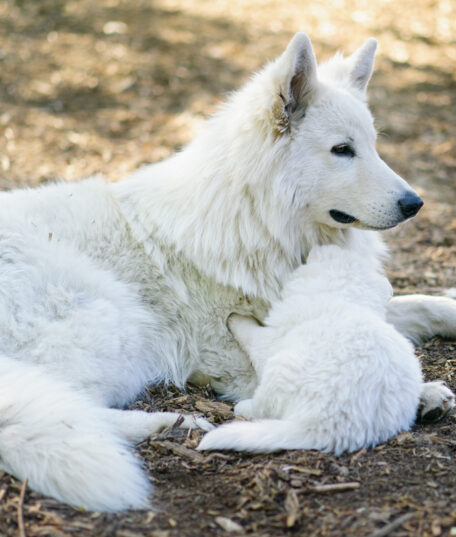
<point x="420" y="317"/>
<point x="137" y="425"/>
<point x="436" y="401"/>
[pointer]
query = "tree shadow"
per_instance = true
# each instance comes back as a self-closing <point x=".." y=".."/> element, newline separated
<point x="154" y="62"/>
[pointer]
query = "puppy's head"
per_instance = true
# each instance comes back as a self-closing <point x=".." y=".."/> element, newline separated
<point x="343" y="273"/>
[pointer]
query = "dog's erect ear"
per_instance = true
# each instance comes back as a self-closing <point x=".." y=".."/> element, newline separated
<point x="297" y="71"/>
<point x="361" y="63"/>
<point x="299" y="57"/>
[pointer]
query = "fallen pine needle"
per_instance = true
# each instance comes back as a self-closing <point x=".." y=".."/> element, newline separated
<point x="20" y="510"/>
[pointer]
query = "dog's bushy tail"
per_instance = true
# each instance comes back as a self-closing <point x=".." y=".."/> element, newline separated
<point x="264" y="436"/>
<point x="57" y="439"/>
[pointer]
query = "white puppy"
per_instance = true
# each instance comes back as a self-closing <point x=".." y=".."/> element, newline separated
<point x="333" y="374"/>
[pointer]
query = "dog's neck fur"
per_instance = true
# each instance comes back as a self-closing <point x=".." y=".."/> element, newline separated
<point x="217" y="201"/>
<point x="246" y="238"/>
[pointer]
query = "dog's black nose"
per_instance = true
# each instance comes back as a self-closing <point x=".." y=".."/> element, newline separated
<point x="410" y="204"/>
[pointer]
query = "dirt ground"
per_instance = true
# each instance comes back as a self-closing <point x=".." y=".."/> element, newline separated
<point x="103" y="87"/>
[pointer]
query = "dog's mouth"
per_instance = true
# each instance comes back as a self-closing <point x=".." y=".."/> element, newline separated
<point x="342" y="218"/>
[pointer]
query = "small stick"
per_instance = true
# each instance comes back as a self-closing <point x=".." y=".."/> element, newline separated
<point x="382" y="532"/>
<point x="335" y="487"/>
<point x="180" y="420"/>
<point x="20" y="510"/>
<point x="180" y="450"/>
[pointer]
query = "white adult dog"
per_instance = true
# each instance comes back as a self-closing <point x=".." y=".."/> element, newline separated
<point x="106" y="288"/>
<point x="333" y="374"/>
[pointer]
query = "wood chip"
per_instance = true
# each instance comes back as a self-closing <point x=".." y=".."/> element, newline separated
<point x="292" y="508"/>
<point x="48" y="531"/>
<point x="357" y="455"/>
<point x="180" y="450"/>
<point x="386" y="530"/>
<point x="303" y="470"/>
<point x="222" y="409"/>
<point x="229" y="525"/>
<point x="335" y="487"/>
<point x="127" y="533"/>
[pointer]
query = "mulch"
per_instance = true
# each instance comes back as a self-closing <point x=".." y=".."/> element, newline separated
<point x="103" y="87"/>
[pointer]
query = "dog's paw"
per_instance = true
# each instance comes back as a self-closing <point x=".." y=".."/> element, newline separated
<point x="195" y="422"/>
<point x="436" y="401"/>
<point x="244" y="409"/>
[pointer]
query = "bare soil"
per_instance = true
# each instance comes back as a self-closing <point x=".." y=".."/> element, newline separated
<point x="103" y="87"/>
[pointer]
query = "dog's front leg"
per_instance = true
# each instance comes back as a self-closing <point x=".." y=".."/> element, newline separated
<point x="420" y="317"/>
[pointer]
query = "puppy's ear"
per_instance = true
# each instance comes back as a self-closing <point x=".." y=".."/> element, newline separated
<point x="360" y="64"/>
<point x="297" y="77"/>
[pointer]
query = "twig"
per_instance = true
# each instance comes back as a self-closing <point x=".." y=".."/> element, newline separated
<point x="382" y="532"/>
<point x="180" y="420"/>
<point x="182" y="451"/>
<point x="335" y="487"/>
<point x="20" y="511"/>
<point x="357" y="455"/>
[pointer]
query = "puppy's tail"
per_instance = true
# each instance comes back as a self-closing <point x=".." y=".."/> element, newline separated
<point x="263" y="436"/>
<point x="62" y="444"/>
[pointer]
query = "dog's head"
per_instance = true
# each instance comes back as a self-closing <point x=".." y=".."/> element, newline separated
<point x="320" y="120"/>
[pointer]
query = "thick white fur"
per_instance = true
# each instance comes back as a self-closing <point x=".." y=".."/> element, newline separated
<point x="110" y="287"/>
<point x="333" y="374"/>
<point x="419" y="317"/>
<point x="70" y="448"/>
<point x="64" y="445"/>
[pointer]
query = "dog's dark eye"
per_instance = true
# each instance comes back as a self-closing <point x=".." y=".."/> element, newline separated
<point x="343" y="150"/>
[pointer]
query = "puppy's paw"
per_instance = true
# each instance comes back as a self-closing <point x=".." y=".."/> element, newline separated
<point x="436" y="401"/>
